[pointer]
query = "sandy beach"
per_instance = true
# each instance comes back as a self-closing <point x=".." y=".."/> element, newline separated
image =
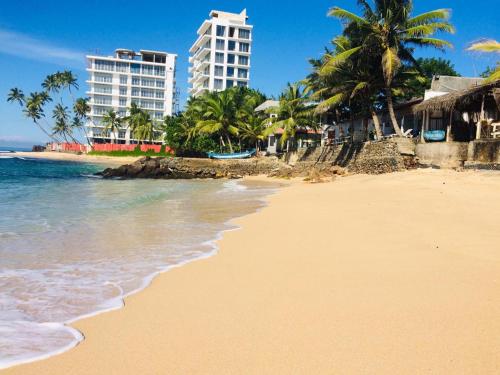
<point x="388" y="274"/>
<point x="83" y="158"/>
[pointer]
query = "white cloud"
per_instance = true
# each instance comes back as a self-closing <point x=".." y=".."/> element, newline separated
<point x="21" y="45"/>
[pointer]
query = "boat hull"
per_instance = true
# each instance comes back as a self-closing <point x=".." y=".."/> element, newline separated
<point x="239" y="155"/>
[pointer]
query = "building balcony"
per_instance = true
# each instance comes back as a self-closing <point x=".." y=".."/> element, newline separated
<point x="202" y="39"/>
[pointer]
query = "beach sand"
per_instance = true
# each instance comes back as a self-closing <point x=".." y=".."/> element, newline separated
<point x="390" y="274"/>
<point x="83" y="158"/>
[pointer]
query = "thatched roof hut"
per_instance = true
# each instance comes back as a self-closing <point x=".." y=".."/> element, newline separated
<point x="464" y="100"/>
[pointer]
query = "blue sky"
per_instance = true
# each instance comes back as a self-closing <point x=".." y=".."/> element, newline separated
<point x="36" y="35"/>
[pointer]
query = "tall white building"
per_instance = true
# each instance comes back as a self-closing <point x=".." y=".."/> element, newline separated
<point x="220" y="57"/>
<point x="146" y="78"/>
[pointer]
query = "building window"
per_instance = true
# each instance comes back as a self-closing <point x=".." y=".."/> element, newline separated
<point x="123" y="91"/>
<point x="242" y="73"/>
<point x="218" y="84"/>
<point x="159" y="71"/>
<point x="244" y="47"/>
<point x="136" y="81"/>
<point x="242" y="84"/>
<point x="159" y="95"/>
<point x="231" y="32"/>
<point x="123" y="102"/>
<point x="121" y="134"/>
<point x="103" y="89"/>
<point x="230" y="59"/>
<point x="219" y="71"/>
<point x="123" y="80"/>
<point x="104" y="65"/>
<point x="148" y="82"/>
<point x="230" y="72"/>
<point x="243" y="60"/>
<point x="136" y="91"/>
<point x="231" y="45"/>
<point x="160" y="83"/>
<point x="159" y="105"/>
<point x="220" y="44"/>
<point x="122" y="67"/>
<point x="106" y="78"/>
<point x="135" y="68"/>
<point x="219" y="58"/>
<point x="244" y="34"/>
<point x="147" y="69"/>
<point x="229" y="83"/>
<point x="221" y="30"/>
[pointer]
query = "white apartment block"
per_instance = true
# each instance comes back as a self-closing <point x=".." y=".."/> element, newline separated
<point x="220" y="57"/>
<point x="146" y="78"/>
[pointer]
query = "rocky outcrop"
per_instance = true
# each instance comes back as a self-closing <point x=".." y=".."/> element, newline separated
<point x="369" y="157"/>
<point x="185" y="168"/>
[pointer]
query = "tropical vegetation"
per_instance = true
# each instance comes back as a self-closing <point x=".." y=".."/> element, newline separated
<point x="491" y="46"/>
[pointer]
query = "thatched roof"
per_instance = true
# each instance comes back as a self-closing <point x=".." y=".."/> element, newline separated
<point x="456" y="100"/>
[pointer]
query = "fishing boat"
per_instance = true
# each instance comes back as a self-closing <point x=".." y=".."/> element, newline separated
<point x="435" y="135"/>
<point x="237" y="155"/>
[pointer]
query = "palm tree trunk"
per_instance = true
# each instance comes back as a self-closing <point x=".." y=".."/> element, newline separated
<point x="376" y="124"/>
<point x="229" y="143"/>
<point x="392" y="115"/>
<point x="46" y="132"/>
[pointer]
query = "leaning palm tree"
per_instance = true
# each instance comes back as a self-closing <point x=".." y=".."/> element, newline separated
<point x="62" y="125"/>
<point x="112" y="123"/>
<point x="488" y="45"/>
<point x="218" y="116"/>
<point x="389" y="31"/>
<point x="33" y="109"/>
<point x="293" y="113"/>
<point x="16" y="95"/>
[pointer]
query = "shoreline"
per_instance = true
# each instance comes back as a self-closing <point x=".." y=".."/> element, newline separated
<point x="82" y="158"/>
<point x="69" y="325"/>
<point x="258" y="309"/>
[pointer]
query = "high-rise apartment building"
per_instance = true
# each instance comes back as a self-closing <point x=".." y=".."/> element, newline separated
<point x="146" y="78"/>
<point x="220" y="57"/>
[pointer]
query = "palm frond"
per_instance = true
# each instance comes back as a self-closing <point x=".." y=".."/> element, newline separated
<point x="390" y="64"/>
<point x="430" y="42"/>
<point x="329" y="103"/>
<point x="345" y="15"/>
<point x="429" y="29"/>
<point x="432" y="16"/>
<point x="333" y="62"/>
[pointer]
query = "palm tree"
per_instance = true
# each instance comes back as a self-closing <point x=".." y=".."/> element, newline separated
<point x="143" y="126"/>
<point x="112" y="123"/>
<point x="389" y="32"/>
<point x="218" y="116"/>
<point x="253" y="129"/>
<point x="16" y="95"/>
<point x="292" y="113"/>
<point x="488" y="45"/>
<point x="353" y="84"/>
<point x="52" y="83"/>
<point x="68" y="80"/>
<point x="33" y="109"/>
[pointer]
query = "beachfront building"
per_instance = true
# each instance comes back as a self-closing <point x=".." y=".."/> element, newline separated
<point x="146" y="78"/>
<point x="220" y="57"/>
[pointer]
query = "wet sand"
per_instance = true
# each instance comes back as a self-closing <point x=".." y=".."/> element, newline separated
<point x="83" y="158"/>
<point x="390" y="274"/>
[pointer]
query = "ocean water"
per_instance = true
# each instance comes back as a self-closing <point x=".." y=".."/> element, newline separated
<point x="73" y="245"/>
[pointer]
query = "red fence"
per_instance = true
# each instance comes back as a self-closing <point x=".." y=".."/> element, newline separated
<point x="67" y="147"/>
<point x="104" y="147"/>
<point x="107" y="147"/>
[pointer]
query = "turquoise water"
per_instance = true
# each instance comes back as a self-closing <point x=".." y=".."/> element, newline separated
<point x="73" y="245"/>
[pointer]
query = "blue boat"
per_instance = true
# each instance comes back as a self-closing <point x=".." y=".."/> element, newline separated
<point x="237" y="155"/>
<point x="435" y="135"/>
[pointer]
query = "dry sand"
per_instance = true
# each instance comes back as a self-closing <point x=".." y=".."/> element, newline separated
<point x="83" y="158"/>
<point x="391" y="274"/>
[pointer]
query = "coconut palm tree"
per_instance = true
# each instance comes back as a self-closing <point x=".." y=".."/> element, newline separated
<point x="112" y="123"/>
<point x="68" y="80"/>
<point x="52" y="83"/>
<point x="390" y="32"/>
<point x="16" y="95"/>
<point x="488" y="45"/>
<point x="33" y="109"/>
<point x="293" y="113"/>
<point x="218" y="116"/>
<point x="143" y="126"/>
<point x="252" y="129"/>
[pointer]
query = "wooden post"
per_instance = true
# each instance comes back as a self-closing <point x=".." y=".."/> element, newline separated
<point x="448" y="128"/>
<point x="480" y="122"/>
<point x="424" y="126"/>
